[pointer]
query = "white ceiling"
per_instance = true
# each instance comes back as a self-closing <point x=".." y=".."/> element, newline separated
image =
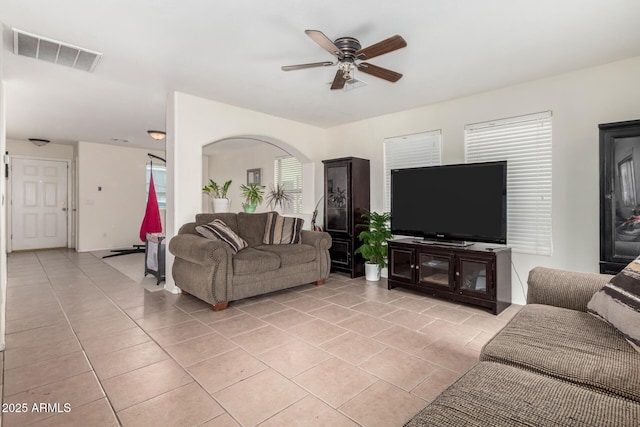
<point x="231" y="51"/>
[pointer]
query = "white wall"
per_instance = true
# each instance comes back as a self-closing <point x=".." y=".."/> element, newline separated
<point x="233" y="164"/>
<point x="579" y="102"/>
<point x="17" y="147"/>
<point x="111" y="218"/>
<point x="3" y="207"/>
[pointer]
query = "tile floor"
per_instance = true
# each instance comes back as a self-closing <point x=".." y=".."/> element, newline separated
<point x="117" y="350"/>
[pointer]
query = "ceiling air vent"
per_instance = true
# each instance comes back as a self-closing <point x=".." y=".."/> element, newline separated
<point x="45" y="49"/>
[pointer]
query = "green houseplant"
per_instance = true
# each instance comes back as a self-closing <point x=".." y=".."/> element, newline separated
<point x="277" y="195"/>
<point x="374" y="243"/>
<point x="218" y="195"/>
<point x="253" y="195"/>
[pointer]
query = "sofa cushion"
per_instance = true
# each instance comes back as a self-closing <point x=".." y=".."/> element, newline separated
<point x="228" y="218"/>
<point x="570" y="345"/>
<point x="496" y="395"/>
<point x="251" y="261"/>
<point x="618" y="303"/>
<point x="251" y="227"/>
<point x="291" y="254"/>
<point x="217" y="229"/>
<point x="282" y="230"/>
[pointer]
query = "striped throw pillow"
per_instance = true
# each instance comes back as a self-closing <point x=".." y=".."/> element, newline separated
<point x="618" y="303"/>
<point x="218" y="230"/>
<point x="282" y="230"/>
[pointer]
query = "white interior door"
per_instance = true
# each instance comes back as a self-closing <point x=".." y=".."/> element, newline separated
<point x="39" y="204"/>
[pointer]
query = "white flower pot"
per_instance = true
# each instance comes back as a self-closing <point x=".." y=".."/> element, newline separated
<point x="371" y="272"/>
<point x="221" y="205"/>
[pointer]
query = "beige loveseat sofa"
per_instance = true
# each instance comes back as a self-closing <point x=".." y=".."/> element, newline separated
<point x="209" y="270"/>
<point x="553" y="364"/>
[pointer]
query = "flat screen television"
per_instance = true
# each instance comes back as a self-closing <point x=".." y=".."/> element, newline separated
<point x="454" y="203"/>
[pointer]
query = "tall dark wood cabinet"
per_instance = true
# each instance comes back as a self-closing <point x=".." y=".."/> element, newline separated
<point x="619" y="195"/>
<point x="346" y="198"/>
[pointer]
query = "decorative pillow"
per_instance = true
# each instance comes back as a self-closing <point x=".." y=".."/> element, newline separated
<point x="618" y="303"/>
<point x="281" y="230"/>
<point x="218" y="230"/>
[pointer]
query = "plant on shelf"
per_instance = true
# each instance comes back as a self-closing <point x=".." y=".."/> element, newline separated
<point x="252" y="194"/>
<point x="277" y="195"/>
<point x="374" y="243"/>
<point x="218" y="195"/>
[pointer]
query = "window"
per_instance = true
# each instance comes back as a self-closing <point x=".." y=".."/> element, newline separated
<point x="525" y="143"/>
<point x="409" y="151"/>
<point x="288" y="171"/>
<point x="160" y="184"/>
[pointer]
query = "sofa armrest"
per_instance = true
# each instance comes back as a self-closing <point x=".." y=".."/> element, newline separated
<point x="561" y="288"/>
<point x="322" y="242"/>
<point x="197" y="249"/>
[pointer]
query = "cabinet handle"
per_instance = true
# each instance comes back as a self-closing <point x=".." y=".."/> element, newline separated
<point x="457" y="273"/>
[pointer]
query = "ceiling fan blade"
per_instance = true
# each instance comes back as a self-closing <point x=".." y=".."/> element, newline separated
<point x="385" y="46"/>
<point x="379" y="72"/>
<point x="303" y="66"/>
<point x="338" y="81"/>
<point x="324" y="42"/>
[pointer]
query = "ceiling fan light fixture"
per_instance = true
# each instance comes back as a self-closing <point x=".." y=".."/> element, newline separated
<point x="158" y="135"/>
<point x="39" y="141"/>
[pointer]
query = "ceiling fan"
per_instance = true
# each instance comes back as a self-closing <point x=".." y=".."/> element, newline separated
<point x="349" y="54"/>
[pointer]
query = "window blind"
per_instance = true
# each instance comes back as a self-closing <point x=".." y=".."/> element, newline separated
<point x="288" y="171"/>
<point x="160" y="184"/>
<point x="525" y="143"/>
<point x="409" y="151"/>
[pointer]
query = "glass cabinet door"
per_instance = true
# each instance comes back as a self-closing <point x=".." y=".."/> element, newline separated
<point x="338" y="197"/>
<point x="435" y="270"/>
<point x="474" y="277"/>
<point x="402" y="264"/>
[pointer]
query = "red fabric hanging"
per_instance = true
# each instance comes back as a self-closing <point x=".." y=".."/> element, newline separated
<point x="151" y="222"/>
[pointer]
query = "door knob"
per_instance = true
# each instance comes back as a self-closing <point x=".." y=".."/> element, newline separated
<point x="64" y="209"/>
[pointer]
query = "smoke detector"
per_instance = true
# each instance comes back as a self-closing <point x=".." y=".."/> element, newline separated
<point x="46" y="49"/>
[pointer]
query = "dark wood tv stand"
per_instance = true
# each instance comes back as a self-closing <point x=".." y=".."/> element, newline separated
<point x="478" y="274"/>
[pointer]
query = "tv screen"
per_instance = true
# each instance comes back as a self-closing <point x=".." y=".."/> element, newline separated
<point x="465" y="202"/>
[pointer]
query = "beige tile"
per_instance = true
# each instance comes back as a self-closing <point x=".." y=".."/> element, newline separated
<point x="353" y="348"/>
<point x="479" y="341"/>
<point x="96" y="329"/>
<point x="221" y="371"/>
<point x="209" y="316"/>
<point x="509" y="312"/>
<point x="309" y="412"/>
<point x="149" y="308"/>
<point x="447" y="331"/>
<point x="114" y="341"/>
<point x="333" y="313"/>
<point x="161" y="320"/>
<point x="319" y="292"/>
<point x="198" y="349"/>
<point x="436" y="383"/>
<point x="41" y="373"/>
<point x="404" y="339"/>
<point x="74" y="391"/>
<point x="374" y="308"/>
<point x="317" y="331"/>
<point x="449" y="355"/>
<point x="189" y="405"/>
<point x="399" y="368"/>
<point x="379" y="293"/>
<point x="180" y="332"/>
<point x="137" y="386"/>
<point x="444" y="312"/>
<point x="109" y="365"/>
<point x="263" y="308"/>
<point x="96" y="413"/>
<point x="409" y="319"/>
<point x="263" y="339"/>
<point x="288" y="318"/>
<point x="294" y="358"/>
<point x="21" y="356"/>
<point x="335" y="381"/>
<point x="345" y="299"/>
<point x="45" y="335"/>
<point x="237" y="325"/>
<point x="35" y="322"/>
<point x="383" y="405"/>
<point x="365" y="325"/>
<point x="306" y="303"/>
<point x="259" y="397"/>
<point x="488" y="324"/>
<point x="285" y="295"/>
<point x="223" y="420"/>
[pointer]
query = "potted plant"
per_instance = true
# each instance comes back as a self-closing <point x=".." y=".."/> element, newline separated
<point x="277" y="195"/>
<point x="374" y="243"/>
<point x="218" y="195"/>
<point x="252" y="194"/>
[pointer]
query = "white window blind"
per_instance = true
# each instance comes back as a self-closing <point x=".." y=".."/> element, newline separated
<point x="288" y="171"/>
<point x="160" y="184"/>
<point x="525" y="143"/>
<point x="409" y="151"/>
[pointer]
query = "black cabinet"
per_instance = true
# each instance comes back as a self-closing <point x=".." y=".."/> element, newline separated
<point x="346" y="198"/>
<point x="619" y="195"/>
<point x="478" y="274"/>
